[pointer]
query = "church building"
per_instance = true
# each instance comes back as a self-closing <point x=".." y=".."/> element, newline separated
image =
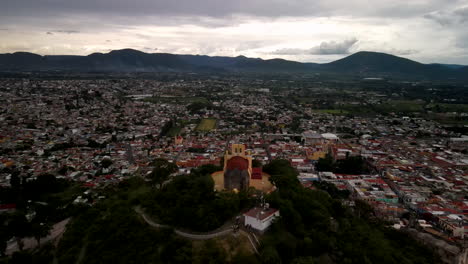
<point x="238" y="173"/>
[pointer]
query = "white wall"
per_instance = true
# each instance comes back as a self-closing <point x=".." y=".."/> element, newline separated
<point x="258" y="224"/>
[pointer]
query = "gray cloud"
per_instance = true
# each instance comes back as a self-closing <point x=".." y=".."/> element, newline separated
<point x="218" y="8"/>
<point x="148" y="49"/>
<point x="249" y="27"/>
<point x="52" y="32"/>
<point x="325" y="48"/>
<point x="456" y="16"/>
<point x="249" y="45"/>
<point x="214" y="8"/>
<point x="403" y="51"/>
<point x="462" y="13"/>
<point x="398" y="52"/>
<point x="333" y="47"/>
<point x="461" y="40"/>
<point x="441" y="18"/>
<point x="66" y="31"/>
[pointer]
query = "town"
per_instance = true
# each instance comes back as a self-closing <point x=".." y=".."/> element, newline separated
<point x="373" y="140"/>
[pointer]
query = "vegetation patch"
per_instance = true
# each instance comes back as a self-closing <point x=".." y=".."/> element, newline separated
<point x="176" y="100"/>
<point x="331" y="111"/>
<point x="174" y="131"/>
<point x="401" y="106"/>
<point x="315" y="227"/>
<point x="444" y="108"/>
<point x="192" y="197"/>
<point x="206" y="124"/>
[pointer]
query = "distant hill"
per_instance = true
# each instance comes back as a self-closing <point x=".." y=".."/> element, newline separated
<point x="382" y="64"/>
<point x="451" y="66"/>
<point x="362" y="64"/>
<point x="373" y="62"/>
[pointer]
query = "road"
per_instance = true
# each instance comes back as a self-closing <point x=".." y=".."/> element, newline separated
<point x="204" y="236"/>
<point x="57" y="230"/>
<point x="253" y="240"/>
<point x="129" y="153"/>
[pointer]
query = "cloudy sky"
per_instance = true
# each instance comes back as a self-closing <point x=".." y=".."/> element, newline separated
<point x="303" y="30"/>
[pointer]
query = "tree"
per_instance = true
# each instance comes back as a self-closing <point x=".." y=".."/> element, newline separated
<point x="197" y="106"/>
<point x="325" y="164"/>
<point x="40" y="230"/>
<point x="283" y="176"/>
<point x="20" y="228"/>
<point x="15" y="180"/>
<point x="351" y="165"/>
<point x="363" y="209"/>
<point x="256" y="163"/>
<point x="161" y="170"/>
<point x="106" y="162"/>
<point x="4" y="236"/>
<point x="304" y="260"/>
<point x="46" y="183"/>
<point x="207" y="169"/>
<point x="270" y="255"/>
<point x="211" y="253"/>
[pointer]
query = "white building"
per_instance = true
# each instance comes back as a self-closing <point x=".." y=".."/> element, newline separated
<point x="330" y="136"/>
<point x="260" y="218"/>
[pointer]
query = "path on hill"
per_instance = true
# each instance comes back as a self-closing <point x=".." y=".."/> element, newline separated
<point x="57" y="230"/>
<point x="227" y="229"/>
<point x="222" y="231"/>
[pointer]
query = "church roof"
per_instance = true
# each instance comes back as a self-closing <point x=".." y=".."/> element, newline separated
<point x="237" y="163"/>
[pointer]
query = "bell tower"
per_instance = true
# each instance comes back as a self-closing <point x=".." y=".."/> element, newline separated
<point x="237" y="168"/>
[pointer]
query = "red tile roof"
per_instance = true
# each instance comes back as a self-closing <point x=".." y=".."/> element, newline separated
<point x="237" y="163"/>
<point x="260" y="213"/>
<point x="257" y="173"/>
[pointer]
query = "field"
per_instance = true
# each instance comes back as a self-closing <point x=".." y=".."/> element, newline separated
<point x="176" y="100"/>
<point x="206" y="124"/>
<point x="444" y="108"/>
<point x="401" y="106"/>
<point x="331" y="111"/>
<point x="174" y="131"/>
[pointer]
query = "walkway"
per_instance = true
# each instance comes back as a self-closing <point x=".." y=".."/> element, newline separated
<point x="194" y="236"/>
<point x="57" y="230"/>
<point x="222" y="231"/>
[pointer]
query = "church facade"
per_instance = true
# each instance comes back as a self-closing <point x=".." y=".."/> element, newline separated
<point x="238" y="173"/>
<point x="237" y="168"/>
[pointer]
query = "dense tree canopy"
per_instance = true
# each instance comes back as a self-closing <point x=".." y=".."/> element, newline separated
<point x="193" y="197"/>
<point x="349" y="165"/>
<point x="316" y="228"/>
<point x="161" y="170"/>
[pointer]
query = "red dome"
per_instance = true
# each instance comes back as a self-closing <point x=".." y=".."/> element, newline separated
<point x="237" y="163"/>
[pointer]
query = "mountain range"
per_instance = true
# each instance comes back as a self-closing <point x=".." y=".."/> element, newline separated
<point x="363" y="64"/>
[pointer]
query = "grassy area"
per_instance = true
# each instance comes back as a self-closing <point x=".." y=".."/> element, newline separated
<point x="176" y="100"/>
<point x="69" y="194"/>
<point x="390" y="106"/>
<point x="304" y="100"/>
<point x="401" y="106"/>
<point x="229" y="247"/>
<point x="139" y="193"/>
<point x="174" y="131"/>
<point x="357" y="109"/>
<point x="444" y="108"/>
<point x="331" y="111"/>
<point x="206" y="124"/>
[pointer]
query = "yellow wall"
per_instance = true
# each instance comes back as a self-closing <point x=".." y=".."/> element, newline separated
<point x="317" y="155"/>
<point x="238" y="150"/>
